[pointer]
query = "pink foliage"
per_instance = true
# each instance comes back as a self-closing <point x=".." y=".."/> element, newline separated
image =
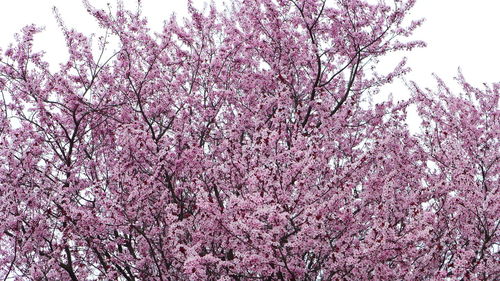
<point x="241" y="145"/>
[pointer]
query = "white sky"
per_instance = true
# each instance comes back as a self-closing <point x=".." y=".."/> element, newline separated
<point x="459" y="33"/>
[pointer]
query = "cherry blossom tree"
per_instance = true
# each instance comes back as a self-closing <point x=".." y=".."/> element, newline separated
<point x="461" y="141"/>
<point x="242" y="144"/>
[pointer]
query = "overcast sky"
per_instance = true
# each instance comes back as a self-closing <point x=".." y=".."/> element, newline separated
<point x="459" y="33"/>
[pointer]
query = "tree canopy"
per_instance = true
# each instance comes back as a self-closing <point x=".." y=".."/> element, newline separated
<point x="243" y="144"/>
